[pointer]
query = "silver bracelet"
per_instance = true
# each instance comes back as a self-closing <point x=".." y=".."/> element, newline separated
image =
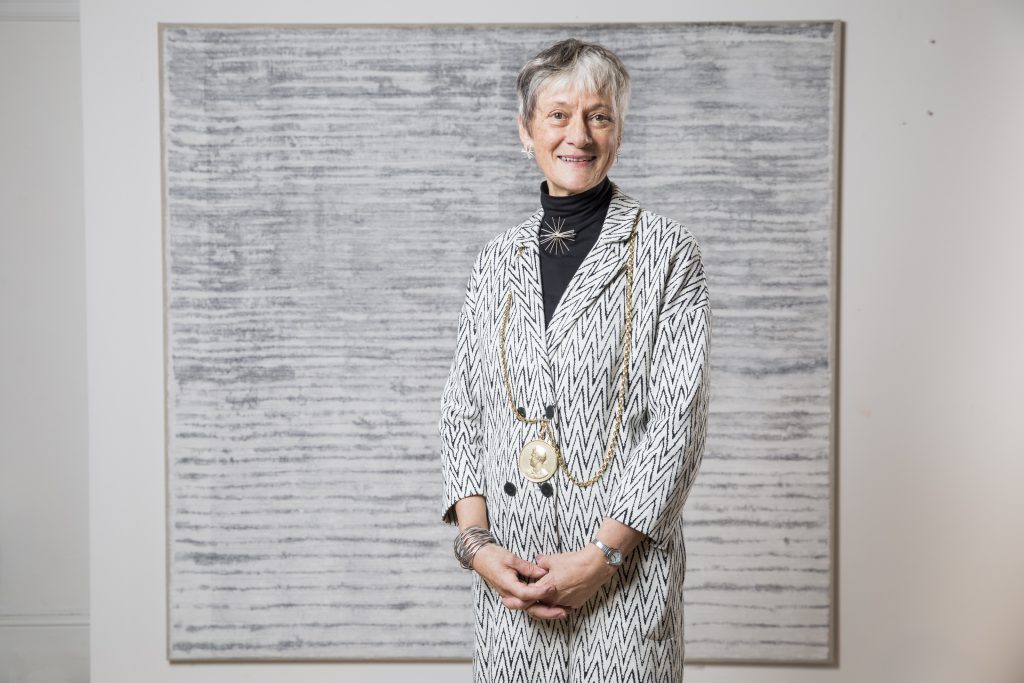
<point x="469" y="541"/>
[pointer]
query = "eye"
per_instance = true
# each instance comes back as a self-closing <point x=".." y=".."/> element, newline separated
<point x="557" y="115"/>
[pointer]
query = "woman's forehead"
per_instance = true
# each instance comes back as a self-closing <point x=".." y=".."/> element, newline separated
<point x="560" y="91"/>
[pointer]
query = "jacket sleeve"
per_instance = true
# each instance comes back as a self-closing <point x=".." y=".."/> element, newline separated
<point x="460" y="423"/>
<point x="660" y="471"/>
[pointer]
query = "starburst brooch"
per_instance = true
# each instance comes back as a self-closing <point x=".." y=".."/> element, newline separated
<point x="555" y="237"/>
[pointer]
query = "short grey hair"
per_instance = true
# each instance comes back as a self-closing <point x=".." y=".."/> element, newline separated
<point x="588" y="66"/>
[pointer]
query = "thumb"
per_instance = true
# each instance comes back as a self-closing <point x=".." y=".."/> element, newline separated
<point x="543" y="561"/>
<point x="529" y="569"/>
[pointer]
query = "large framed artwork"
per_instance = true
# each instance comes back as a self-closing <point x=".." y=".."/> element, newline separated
<point x="326" y="189"/>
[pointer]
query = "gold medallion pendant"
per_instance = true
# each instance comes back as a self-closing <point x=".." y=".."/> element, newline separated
<point x="538" y="460"/>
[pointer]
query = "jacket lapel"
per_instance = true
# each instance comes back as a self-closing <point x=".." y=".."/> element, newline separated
<point x="604" y="260"/>
<point x="602" y="263"/>
<point x="526" y="319"/>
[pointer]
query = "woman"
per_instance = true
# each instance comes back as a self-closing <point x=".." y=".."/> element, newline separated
<point x="574" y="416"/>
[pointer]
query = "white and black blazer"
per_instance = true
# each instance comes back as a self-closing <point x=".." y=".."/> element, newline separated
<point x="633" y="628"/>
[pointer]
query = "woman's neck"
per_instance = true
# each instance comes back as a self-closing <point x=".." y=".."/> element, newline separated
<point x="578" y="210"/>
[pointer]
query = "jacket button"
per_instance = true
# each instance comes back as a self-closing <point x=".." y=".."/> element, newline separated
<point x="546" y="489"/>
<point x="522" y="411"/>
<point x="549" y="412"/>
<point x="510" y="488"/>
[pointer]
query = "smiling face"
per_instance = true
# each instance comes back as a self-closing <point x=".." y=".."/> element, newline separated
<point x="575" y="136"/>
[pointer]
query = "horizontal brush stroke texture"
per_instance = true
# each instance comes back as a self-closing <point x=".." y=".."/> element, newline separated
<point x="327" y="189"/>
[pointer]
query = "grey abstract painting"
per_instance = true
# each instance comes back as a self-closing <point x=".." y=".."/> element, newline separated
<point x="326" y="189"/>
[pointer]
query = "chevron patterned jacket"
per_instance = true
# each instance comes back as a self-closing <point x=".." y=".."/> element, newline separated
<point x="632" y="629"/>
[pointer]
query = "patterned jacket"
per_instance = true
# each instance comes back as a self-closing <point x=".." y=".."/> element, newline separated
<point x="632" y="629"/>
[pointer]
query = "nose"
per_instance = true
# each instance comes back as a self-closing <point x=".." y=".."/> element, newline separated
<point x="578" y="133"/>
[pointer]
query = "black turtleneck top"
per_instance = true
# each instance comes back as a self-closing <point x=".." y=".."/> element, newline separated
<point x="584" y="213"/>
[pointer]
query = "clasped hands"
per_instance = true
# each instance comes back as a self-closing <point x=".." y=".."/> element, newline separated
<point x="548" y="589"/>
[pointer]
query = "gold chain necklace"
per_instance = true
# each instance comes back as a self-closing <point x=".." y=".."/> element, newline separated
<point x="540" y="457"/>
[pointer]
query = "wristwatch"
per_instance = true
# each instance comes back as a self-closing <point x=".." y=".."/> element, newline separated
<point x="611" y="555"/>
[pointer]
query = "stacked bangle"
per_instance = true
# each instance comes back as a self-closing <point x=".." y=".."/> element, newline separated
<point x="469" y="541"/>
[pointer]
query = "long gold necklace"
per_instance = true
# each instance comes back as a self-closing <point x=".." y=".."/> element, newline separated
<point x="541" y="457"/>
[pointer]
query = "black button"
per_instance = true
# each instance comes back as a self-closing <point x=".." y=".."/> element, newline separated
<point x="549" y="412"/>
<point x="546" y="489"/>
<point x="522" y="411"/>
<point x="510" y="488"/>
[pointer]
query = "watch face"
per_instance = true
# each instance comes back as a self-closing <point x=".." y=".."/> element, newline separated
<point x="614" y="557"/>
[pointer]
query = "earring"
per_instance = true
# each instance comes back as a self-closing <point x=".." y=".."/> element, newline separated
<point x="528" y="152"/>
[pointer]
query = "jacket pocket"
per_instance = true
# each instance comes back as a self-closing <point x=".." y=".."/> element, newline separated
<point x="662" y="626"/>
<point x="660" y="592"/>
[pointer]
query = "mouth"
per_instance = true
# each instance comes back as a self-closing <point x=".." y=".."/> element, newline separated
<point x="577" y="159"/>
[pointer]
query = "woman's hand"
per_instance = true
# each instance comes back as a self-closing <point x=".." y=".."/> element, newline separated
<point x="576" y="576"/>
<point x="504" y="572"/>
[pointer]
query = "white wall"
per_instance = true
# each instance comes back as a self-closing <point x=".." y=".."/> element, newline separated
<point x="44" y="531"/>
<point x="932" y="228"/>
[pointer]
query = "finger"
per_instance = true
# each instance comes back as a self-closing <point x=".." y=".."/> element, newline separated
<point x="513" y="602"/>
<point x="542" y="561"/>
<point x="529" y="569"/>
<point x="529" y="592"/>
<point x="514" y="597"/>
<point x="542" y="611"/>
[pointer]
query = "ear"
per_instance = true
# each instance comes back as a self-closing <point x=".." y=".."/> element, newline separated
<point x="524" y="135"/>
